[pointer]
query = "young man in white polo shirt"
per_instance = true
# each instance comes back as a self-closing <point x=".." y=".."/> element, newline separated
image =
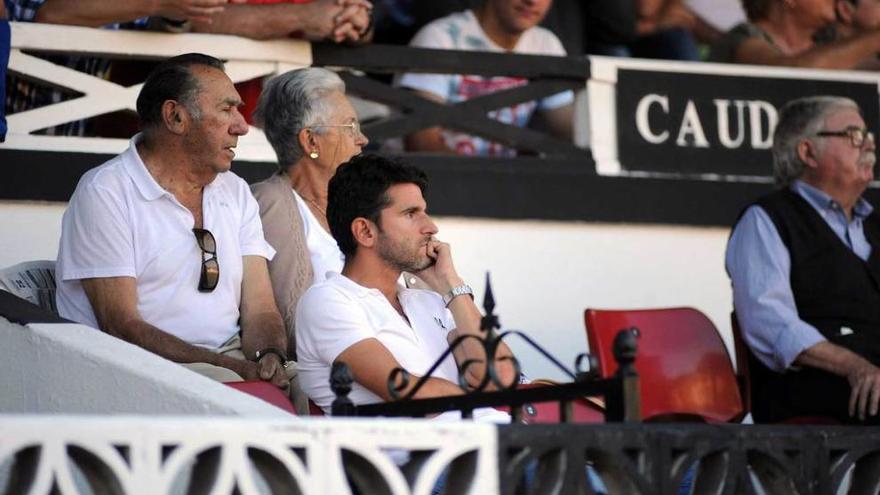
<point x="164" y="248"/>
<point x="363" y="317"/>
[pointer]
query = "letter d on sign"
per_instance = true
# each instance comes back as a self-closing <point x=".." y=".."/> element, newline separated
<point x="760" y="141"/>
<point x="642" y="122"/>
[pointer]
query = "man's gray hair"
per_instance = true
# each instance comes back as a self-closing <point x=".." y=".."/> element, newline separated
<point x="798" y="120"/>
<point x="291" y="102"/>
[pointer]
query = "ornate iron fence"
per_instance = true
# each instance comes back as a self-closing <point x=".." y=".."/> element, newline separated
<point x="727" y="459"/>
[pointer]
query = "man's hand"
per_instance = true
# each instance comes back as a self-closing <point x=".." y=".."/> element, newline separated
<point x="441" y="275"/>
<point x="333" y="19"/>
<point x="272" y="370"/>
<point x="247" y="370"/>
<point x="192" y="10"/>
<point x="864" y="378"/>
<point x="862" y="375"/>
<point x="353" y="22"/>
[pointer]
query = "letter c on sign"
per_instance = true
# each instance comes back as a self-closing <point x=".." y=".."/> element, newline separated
<point x="642" y="124"/>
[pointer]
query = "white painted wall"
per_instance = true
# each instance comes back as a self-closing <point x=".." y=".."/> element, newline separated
<point x="544" y="274"/>
<point x="74" y="369"/>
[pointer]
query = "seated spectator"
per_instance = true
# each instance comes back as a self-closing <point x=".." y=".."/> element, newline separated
<point x="856" y="16"/>
<point x="777" y="34"/>
<point x="162" y="246"/>
<point x="24" y="95"/>
<point x="4" y="61"/>
<point x="334" y="20"/>
<point x="669" y="29"/>
<point x="313" y="129"/>
<point x="803" y="261"/>
<point x="363" y="317"/>
<point x="497" y="26"/>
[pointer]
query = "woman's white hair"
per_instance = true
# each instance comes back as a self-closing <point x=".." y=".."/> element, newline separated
<point x="291" y="102"/>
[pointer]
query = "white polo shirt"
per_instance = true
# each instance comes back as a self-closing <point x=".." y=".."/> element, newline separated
<point x="337" y="313"/>
<point x="121" y="223"/>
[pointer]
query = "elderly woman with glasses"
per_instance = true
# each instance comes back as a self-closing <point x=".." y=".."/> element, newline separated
<point x="313" y="129"/>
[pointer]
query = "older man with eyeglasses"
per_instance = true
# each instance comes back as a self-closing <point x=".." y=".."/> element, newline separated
<point x="805" y="269"/>
<point x="163" y="247"/>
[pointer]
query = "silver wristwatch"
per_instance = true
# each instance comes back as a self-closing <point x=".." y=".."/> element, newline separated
<point x="458" y="290"/>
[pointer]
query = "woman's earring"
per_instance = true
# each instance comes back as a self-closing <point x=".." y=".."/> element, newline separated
<point x="313" y="155"/>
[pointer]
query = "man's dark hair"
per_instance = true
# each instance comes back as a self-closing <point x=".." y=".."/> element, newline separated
<point x="360" y="189"/>
<point x="172" y="80"/>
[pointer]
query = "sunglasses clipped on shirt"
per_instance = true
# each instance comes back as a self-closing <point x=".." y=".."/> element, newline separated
<point x="856" y="135"/>
<point x="210" y="266"/>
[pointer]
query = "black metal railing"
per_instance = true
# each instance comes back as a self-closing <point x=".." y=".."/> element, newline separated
<point x="620" y="392"/>
<point x="547" y="75"/>
<point x="650" y="459"/>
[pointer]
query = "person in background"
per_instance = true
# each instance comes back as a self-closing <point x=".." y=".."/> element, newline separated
<point x="4" y="61"/>
<point x="782" y="32"/>
<point x="313" y="129"/>
<point x="22" y="94"/>
<point x="508" y="26"/>
<point x="804" y="264"/>
<point x="670" y="29"/>
<point x="856" y="16"/>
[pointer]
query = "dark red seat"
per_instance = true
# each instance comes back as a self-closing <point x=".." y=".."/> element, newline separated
<point x="684" y="370"/>
<point x="582" y="410"/>
<point x="266" y="391"/>
<point x="314" y="410"/>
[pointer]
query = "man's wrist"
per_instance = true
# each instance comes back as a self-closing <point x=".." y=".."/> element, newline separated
<point x="459" y="290"/>
<point x="271" y="351"/>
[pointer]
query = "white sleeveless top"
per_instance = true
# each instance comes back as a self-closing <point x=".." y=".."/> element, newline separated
<point x="323" y="250"/>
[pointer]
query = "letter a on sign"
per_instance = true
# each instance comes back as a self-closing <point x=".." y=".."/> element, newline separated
<point x="690" y="124"/>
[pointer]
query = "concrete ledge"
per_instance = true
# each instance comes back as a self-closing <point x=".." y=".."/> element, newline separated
<point x="70" y="368"/>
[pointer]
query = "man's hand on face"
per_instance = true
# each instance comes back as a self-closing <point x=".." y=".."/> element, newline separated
<point x="441" y="275"/>
<point x="864" y="379"/>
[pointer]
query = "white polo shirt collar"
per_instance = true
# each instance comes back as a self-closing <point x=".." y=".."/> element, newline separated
<point x="145" y="183"/>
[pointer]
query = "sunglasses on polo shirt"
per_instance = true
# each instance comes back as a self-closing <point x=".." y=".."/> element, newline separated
<point x="210" y="267"/>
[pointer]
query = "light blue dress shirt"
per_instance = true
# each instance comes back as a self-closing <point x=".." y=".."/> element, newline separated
<point x="759" y="267"/>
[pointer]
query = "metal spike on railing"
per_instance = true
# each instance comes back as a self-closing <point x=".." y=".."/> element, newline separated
<point x="489" y="322"/>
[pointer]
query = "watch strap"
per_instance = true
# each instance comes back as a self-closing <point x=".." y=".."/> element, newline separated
<point x="458" y="290"/>
<point x="271" y="350"/>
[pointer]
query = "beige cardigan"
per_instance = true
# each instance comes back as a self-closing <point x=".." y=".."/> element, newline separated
<point x="291" y="268"/>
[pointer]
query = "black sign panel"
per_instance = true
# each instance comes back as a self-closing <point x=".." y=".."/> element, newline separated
<point x="700" y="123"/>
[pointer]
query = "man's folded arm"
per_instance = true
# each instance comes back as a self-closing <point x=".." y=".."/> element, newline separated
<point x="371" y="363"/>
<point x="114" y="300"/>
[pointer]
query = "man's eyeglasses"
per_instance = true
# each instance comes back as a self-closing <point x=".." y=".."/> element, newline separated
<point x="354" y="128"/>
<point x="856" y="135"/>
<point x="210" y="267"/>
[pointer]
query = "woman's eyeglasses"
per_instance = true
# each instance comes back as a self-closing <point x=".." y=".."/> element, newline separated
<point x="210" y="267"/>
<point x="353" y="127"/>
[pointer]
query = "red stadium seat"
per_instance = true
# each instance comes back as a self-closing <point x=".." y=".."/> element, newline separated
<point x="582" y="410"/>
<point x="314" y="410"/>
<point x="684" y="370"/>
<point x="266" y="391"/>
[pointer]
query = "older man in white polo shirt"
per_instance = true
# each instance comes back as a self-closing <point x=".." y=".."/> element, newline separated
<point x="162" y="247"/>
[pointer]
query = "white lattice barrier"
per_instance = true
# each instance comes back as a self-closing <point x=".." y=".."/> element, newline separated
<point x="139" y="455"/>
<point x="246" y="59"/>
